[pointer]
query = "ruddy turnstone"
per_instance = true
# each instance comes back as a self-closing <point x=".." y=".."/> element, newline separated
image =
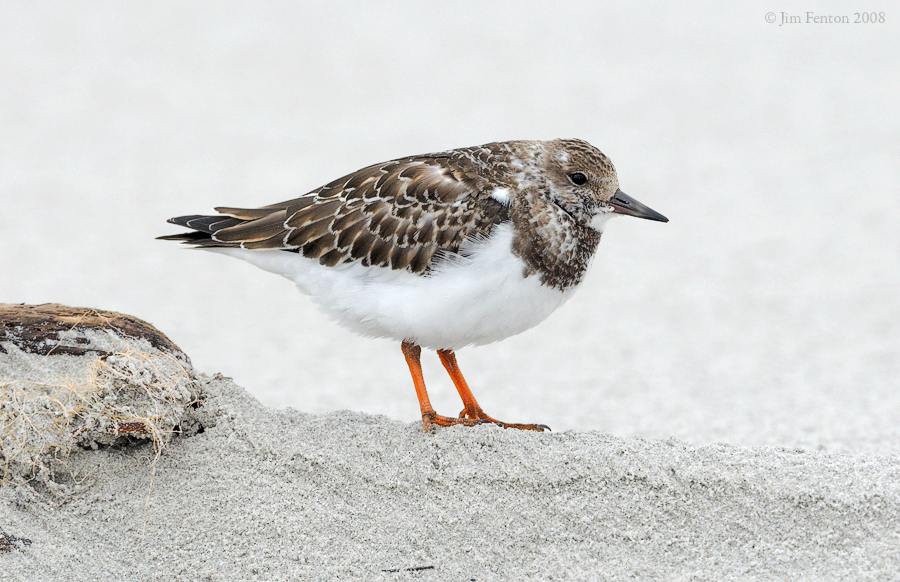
<point x="457" y="248"/>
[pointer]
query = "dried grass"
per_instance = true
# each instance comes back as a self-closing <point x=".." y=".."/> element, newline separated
<point x="133" y="394"/>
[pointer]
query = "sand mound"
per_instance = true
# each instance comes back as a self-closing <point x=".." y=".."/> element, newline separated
<point x="260" y="494"/>
<point x="280" y="495"/>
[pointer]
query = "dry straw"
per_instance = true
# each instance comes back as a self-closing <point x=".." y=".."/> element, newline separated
<point x="135" y="392"/>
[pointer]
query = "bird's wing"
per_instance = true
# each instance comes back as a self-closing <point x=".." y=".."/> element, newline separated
<point x="399" y="214"/>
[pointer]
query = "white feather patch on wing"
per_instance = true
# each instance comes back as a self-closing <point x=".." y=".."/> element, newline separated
<point x="501" y="195"/>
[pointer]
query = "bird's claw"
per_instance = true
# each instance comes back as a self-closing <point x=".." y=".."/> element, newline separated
<point x="479" y="415"/>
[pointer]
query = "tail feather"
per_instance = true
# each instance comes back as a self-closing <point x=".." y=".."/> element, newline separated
<point x="186" y="236"/>
<point x="246" y="213"/>
<point x="203" y="229"/>
<point x="207" y="224"/>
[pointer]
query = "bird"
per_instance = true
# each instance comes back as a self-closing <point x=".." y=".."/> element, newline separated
<point x="458" y="248"/>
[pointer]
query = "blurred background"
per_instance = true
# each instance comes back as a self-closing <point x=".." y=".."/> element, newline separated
<point x="766" y="312"/>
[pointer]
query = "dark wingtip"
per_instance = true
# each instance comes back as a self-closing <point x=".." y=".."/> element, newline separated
<point x="185" y="237"/>
<point x="191" y="237"/>
<point x="185" y="220"/>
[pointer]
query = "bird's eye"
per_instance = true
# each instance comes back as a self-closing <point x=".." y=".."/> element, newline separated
<point x="578" y="178"/>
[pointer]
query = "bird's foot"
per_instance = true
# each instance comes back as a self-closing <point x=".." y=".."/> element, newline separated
<point x="430" y="419"/>
<point x="479" y="415"/>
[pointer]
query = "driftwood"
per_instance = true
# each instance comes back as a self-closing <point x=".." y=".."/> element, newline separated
<point x="48" y="329"/>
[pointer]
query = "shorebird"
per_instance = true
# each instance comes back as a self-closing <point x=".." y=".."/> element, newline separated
<point x="458" y="248"/>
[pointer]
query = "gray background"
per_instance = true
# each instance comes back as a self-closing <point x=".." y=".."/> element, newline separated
<point x="765" y="312"/>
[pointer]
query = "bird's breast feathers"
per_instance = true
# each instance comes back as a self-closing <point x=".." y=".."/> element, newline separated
<point x="476" y="297"/>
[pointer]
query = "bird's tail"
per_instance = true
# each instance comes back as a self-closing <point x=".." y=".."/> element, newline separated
<point x="203" y="229"/>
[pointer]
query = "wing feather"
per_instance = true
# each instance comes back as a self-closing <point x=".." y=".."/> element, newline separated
<point x="399" y="214"/>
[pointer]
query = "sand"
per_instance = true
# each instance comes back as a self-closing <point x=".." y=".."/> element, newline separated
<point x="764" y="315"/>
<point x="282" y="495"/>
<point x="263" y="494"/>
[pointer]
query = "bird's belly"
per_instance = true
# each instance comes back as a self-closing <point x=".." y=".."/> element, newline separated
<point x="475" y="300"/>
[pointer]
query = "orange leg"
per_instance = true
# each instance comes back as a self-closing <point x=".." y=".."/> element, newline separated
<point x="472" y="410"/>
<point x="413" y="354"/>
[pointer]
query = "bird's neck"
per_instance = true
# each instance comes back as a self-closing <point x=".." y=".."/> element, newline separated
<point x="551" y="243"/>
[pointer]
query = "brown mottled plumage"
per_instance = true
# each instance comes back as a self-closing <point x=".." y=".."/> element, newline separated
<point x="480" y="243"/>
<point x="404" y="213"/>
<point x="398" y="214"/>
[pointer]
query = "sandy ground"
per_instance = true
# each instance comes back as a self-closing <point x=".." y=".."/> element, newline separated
<point x="764" y="314"/>
<point x="282" y="495"/>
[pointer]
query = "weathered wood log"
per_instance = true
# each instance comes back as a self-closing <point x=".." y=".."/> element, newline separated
<point x="51" y="329"/>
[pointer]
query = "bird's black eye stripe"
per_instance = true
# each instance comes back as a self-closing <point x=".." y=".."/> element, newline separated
<point x="578" y="178"/>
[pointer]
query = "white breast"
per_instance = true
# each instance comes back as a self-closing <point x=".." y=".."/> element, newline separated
<point x="472" y="300"/>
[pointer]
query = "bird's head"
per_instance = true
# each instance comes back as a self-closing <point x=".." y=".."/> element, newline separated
<point x="583" y="183"/>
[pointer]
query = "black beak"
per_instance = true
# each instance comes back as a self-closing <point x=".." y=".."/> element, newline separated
<point x="622" y="203"/>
